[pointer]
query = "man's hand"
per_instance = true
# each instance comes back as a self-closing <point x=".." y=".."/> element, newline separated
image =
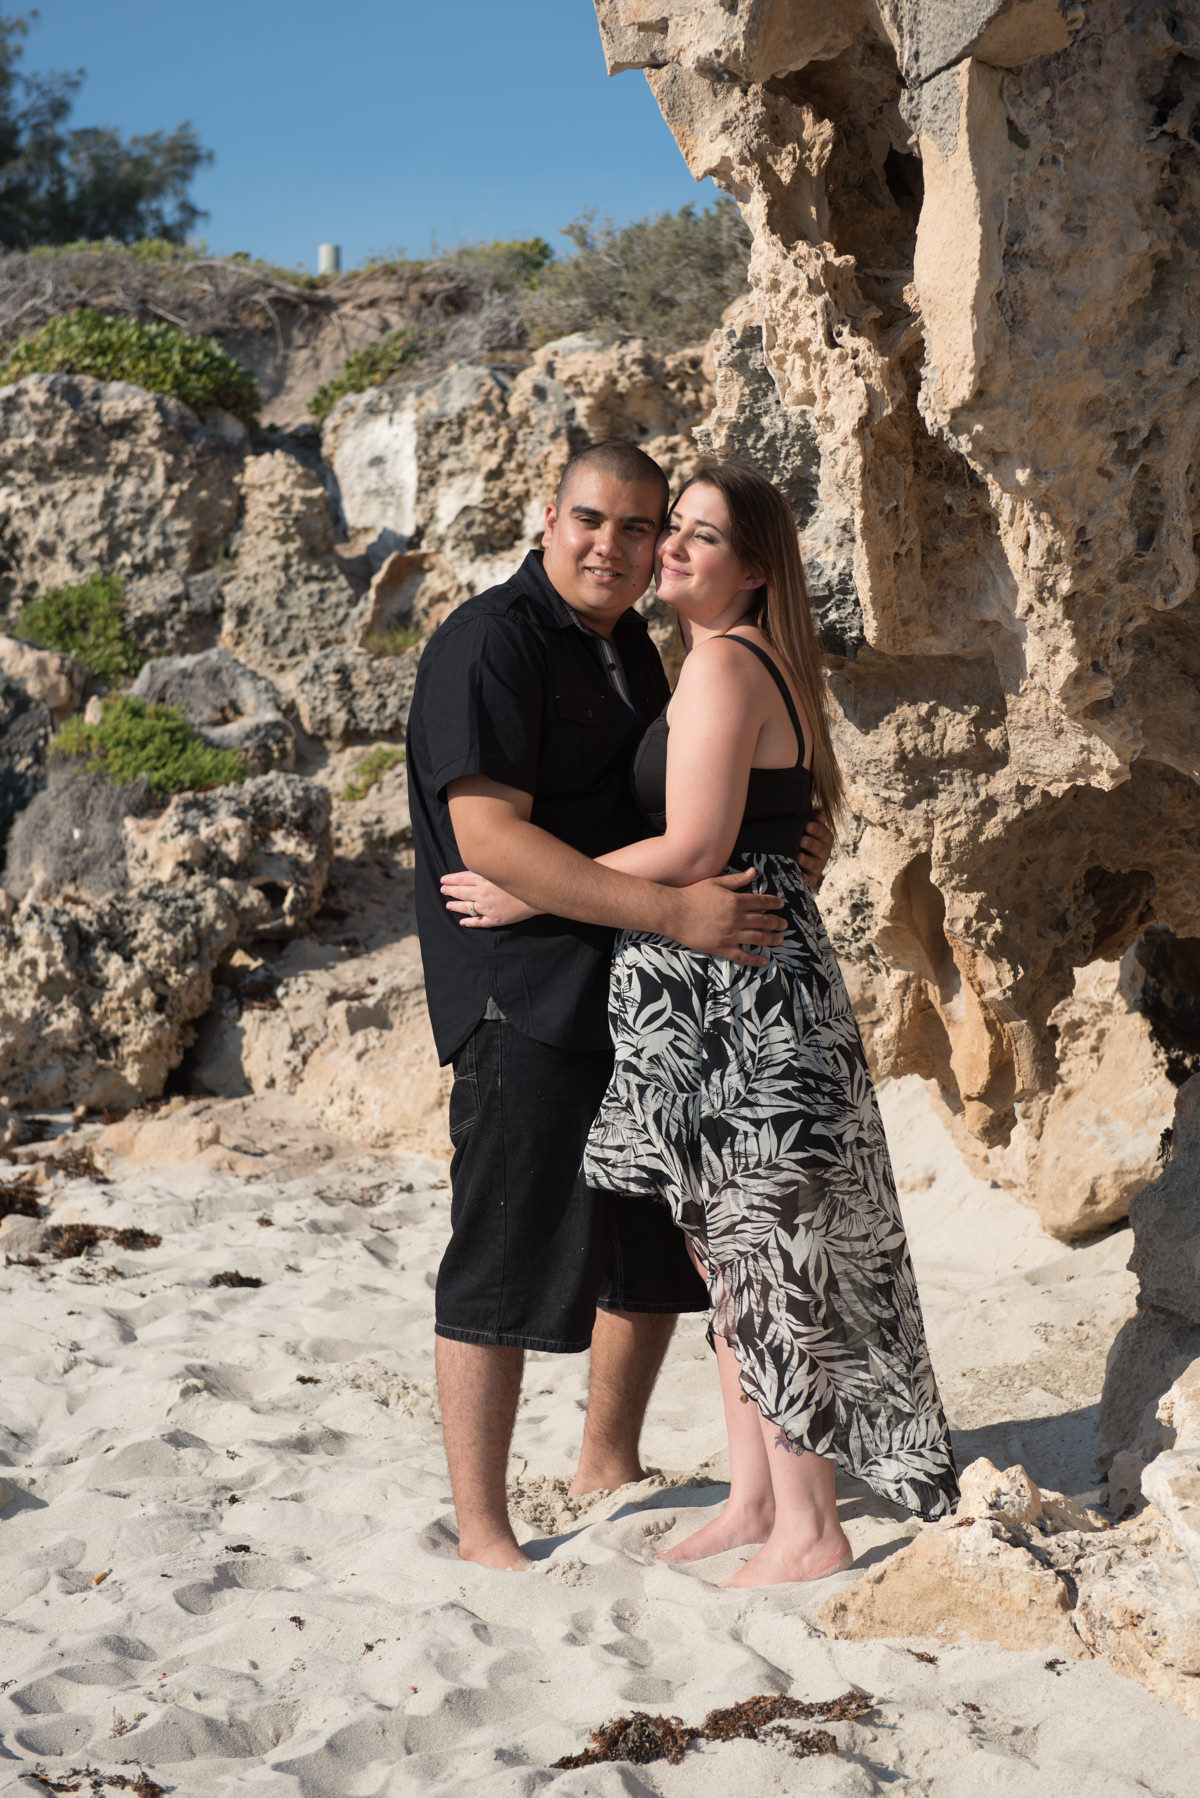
<point x="816" y="847"/>
<point x="716" y="919"/>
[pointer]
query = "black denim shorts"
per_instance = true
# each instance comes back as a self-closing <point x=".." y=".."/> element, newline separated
<point x="533" y="1250"/>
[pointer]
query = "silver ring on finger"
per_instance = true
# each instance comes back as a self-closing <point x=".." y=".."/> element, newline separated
<point x="474" y="913"/>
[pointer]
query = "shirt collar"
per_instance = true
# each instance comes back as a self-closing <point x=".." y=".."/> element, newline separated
<point x="553" y="608"/>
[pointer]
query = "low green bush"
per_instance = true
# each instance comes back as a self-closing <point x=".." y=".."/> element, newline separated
<point x="667" y="278"/>
<point x="372" y="768"/>
<point x="393" y="642"/>
<point x="87" y="622"/>
<point x="368" y="367"/>
<point x="157" y="356"/>
<point x="134" y="738"/>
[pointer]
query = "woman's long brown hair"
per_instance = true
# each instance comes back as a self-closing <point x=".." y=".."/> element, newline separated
<point x="762" y="533"/>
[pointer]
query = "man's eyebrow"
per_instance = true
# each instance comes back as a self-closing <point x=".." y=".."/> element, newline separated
<point x="632" y="518"/>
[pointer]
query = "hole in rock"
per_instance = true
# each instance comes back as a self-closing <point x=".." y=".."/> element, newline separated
<point x="1121" y="903"/>
<point x="1161" y="975"/>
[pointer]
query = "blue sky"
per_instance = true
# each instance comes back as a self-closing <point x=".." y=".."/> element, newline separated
<point x="376" y="124"/>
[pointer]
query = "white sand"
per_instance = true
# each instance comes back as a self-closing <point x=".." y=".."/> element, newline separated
<point x="319" y="1635"/>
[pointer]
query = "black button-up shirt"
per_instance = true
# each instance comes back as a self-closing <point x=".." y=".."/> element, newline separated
<point x="508" y="688"/>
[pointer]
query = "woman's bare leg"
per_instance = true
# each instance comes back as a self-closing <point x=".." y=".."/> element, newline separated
<point x="748" y="1515"/>
<point x="807" y="1540"/>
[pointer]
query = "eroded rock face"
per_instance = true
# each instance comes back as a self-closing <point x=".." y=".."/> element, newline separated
<point x="985" y="344"/>
<point x="1034" y="1570"/>
<point x="466" y="460"/>
<point x="228" y="704"/>
<point x="1163" y="1337"/>
<point x="100" y="475"/>
<point x="24" y="734"/>
<point x="289" y="595"/>
<point x="97" y="997"/>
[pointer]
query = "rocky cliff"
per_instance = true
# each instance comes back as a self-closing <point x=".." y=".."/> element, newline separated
<point x="971" y="288"/>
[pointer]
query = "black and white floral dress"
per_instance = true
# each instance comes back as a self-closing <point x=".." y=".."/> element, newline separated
<point x="741" y="1097"/>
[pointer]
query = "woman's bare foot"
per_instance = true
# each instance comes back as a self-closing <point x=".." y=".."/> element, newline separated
<point x="779" y="1563"/>
<point x="732" y="1529"/>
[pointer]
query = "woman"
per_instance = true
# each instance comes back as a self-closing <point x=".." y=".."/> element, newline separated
<point x="740" y="1095"/>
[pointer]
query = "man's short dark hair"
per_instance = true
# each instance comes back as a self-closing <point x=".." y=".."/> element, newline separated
<point x="617" y="457"/>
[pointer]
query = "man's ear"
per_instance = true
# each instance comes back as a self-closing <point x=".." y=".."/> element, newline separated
<point x="550" y="522"/>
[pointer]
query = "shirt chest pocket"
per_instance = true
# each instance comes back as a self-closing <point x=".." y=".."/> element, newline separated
<point x="578" y="705"/>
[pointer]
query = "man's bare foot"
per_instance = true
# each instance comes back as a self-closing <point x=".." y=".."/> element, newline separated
<point x="732" y="1529"/>
<point x="788" y="1563"/>
<point x="501" y="1552"/>
<point x="605" y="1479"/>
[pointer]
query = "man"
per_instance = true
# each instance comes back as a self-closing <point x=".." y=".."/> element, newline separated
<point x="530" y="701"/>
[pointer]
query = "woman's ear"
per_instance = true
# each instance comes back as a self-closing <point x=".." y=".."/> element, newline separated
<point x="754" y="579"/>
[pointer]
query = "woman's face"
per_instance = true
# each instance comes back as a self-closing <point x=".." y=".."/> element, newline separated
<point x="695" y="567"/>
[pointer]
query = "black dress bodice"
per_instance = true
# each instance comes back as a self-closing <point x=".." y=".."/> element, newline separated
<point x="778" y="800"/>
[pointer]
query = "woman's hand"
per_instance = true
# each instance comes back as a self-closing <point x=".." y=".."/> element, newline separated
<point x="483" y="906"/>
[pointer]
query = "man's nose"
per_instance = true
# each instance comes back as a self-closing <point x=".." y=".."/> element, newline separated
<point x="607" y="541"/>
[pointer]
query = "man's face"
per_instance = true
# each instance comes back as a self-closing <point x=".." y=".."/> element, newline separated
<point x="599" y="544"/>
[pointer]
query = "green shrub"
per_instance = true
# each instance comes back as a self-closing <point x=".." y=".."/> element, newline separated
<point x="157" y="356"/>
<point x="395" y="642"/>
<point x="667" y="278"/>
<point x="372" y="768"/>
<point x="134" y="738"/>
<point x="368" y="367"/>
<point x="502" y="263"/>
<point x="87" y="622"/>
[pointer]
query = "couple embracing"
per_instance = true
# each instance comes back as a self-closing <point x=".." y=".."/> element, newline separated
<point x="660" y="1099"/>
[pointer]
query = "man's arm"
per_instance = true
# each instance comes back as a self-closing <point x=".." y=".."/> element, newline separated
<point x="495" y="837"/>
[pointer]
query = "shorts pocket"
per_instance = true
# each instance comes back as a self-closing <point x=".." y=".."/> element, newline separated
<point x="464" y="1094"/>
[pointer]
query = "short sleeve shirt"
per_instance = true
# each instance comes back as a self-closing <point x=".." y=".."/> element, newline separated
<point x="511" y="688"/>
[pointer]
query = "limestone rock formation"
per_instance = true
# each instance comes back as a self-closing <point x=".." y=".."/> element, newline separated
<point x="58" y="682"/>
<point x="267" y="842"/>
<point x="1034" y="1570"/>
<point x="70" y="837"/>
<point x="350" y="695"/>
<point x="1080" y="1152"/>
<point x="228" y="704"/>
<point x="24" y="734"/>
<point x="464" y="461"/>
<point x="289" y="595"/>
<point x="983" y="345"/>
<point x="1163" y="1337"/>
<point x="100" y="475"/>
<point x="97" y="997"/>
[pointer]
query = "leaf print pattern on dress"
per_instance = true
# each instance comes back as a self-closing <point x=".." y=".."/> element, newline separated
<point x="741" y="1097"/>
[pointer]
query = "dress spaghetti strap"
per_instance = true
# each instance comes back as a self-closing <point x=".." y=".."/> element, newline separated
<point x="784" y="689"/>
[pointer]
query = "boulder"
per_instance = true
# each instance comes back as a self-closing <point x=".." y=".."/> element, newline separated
<point x="55" y="681"/>
<point x="168" y="615"/>
<point x="103" y="475"/>
<point x="350" y="695"/>
<point x="228" y="704"/>
<point x="288" y="596"/>
<point x="267" y="843"/>
<point x="24" y="734"/>
<point x="69" y="838"/>
<point x="963" y="1580"/>
<point x="413" y="590"/>
<point x="97" y="998"/>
